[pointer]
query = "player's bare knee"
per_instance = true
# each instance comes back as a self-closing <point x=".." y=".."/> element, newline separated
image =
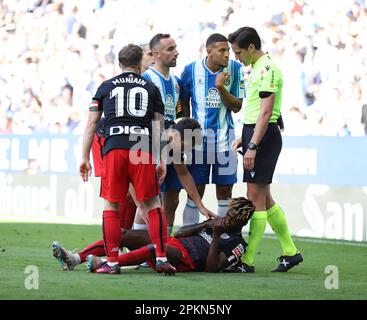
<point x="139" y="217"/>
<point x="150" y="204"/>
<point x="108" y="205"/>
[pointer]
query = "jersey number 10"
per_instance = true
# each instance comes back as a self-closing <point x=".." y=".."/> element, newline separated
<point x="136" y="101"/>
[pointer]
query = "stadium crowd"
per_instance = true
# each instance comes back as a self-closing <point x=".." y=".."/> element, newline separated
<point x="55" y="53"/>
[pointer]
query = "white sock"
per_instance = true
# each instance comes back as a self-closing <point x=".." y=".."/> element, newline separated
<point x="164" y="259"/>
<point x="111" y="264"/>
<point x="140" y="226"/>
<point x="77" y="258"/>
<point x="222" y="207"/>
<point x="191" y="213"/>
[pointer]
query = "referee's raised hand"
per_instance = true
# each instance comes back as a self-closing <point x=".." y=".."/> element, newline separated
<point x="85" y="170"/>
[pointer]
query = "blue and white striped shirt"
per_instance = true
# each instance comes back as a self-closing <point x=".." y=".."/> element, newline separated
<point x="169" y="88"/>
<point x="198" y="83"/>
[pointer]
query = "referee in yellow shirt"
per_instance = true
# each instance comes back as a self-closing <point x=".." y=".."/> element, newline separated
<point x="262" y="142"/>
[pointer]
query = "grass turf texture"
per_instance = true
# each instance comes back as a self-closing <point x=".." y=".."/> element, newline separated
<point x="24" y="244"/>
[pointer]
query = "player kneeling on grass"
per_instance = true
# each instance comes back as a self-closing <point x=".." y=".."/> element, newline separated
<point x="213" y="245"/>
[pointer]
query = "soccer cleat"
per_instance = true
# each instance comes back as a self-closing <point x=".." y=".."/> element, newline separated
<point x="241" y="267"/>
<point x="107" y="269"/>
<point x="66" y="259"/>
<point x="93" y="262"/>
<point x="165" y="267"/>
<point x="57" y="253"/>
<point x="288" y="262"/>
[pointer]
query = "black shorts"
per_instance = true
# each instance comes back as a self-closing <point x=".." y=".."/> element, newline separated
<point x="266" y="155"/>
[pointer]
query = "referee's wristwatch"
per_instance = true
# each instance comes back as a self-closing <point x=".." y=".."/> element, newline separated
<point x="252" y="146"/>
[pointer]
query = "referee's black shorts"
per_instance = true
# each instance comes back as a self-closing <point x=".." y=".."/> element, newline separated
<point x="266" y="155"/>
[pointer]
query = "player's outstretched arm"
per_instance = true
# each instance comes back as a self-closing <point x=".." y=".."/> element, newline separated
<point x="193" y="229"/>
<point x="188" y="183"/>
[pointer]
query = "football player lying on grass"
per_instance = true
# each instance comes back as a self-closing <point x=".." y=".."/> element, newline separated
<point x="213" y="245"/>
<point x="179" y="137"/>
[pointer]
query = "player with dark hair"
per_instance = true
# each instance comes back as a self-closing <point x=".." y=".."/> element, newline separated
<point x="130" y="104"/>
<point x="262" y="142"/>
<point x="213" y="245"/>
<point x="181" y="136"/>
<point x="214" y="88"/>
<point x="164" y="55"/>
<point x="164" y="51"/>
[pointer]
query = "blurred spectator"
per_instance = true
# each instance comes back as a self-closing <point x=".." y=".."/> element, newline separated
<point x="55" y="53"/>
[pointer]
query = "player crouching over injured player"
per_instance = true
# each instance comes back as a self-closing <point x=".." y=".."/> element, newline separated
<point x="177" y="138"/>
<point x="212" y="246"/>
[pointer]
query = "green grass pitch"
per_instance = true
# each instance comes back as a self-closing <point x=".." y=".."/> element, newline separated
<point x="24" y="244"/>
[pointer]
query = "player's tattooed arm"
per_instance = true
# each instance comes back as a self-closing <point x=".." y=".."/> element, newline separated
<point x="193" y="229"/>
<point x="180" y="113"/>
